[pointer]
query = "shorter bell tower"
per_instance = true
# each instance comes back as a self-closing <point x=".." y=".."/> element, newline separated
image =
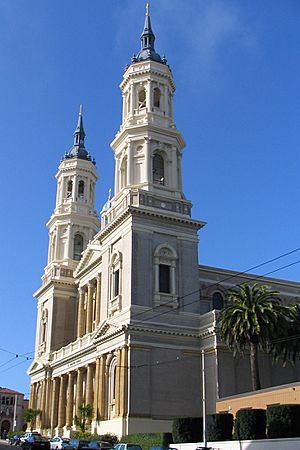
<point x="73" y="224"/>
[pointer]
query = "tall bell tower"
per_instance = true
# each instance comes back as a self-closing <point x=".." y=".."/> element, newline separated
<point x="73" y="224"/>
<point x="148" y="147"/>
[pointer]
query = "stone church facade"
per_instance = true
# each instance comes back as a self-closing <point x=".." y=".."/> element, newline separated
<point x="124" y="309"/>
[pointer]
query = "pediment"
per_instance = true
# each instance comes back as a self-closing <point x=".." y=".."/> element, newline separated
<point x="34" y="366"/>
<point x="108" y="329"/>
<point x="89" y="256"/>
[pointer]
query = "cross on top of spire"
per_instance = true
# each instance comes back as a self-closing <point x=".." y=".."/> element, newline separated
<point x="78" y="150"/>
<point x="147" y="42"/>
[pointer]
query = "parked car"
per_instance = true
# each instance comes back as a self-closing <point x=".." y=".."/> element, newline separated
<point x="36" y="442"/>
<point x="28" y="435"/>
<point x="98" y="445"/>
<point x="15" y="439"/>
<point x="58" y="443"/>
<point x="76" y="444"/>
<point x="123" y="446"/>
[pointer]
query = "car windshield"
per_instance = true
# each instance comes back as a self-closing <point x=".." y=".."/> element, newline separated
<point x="134" y="447"/>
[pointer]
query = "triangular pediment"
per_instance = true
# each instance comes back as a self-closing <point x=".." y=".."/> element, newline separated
<point x="108" y="329"/>
<point x="89" y="256"/>
<point x="34" y="366"/>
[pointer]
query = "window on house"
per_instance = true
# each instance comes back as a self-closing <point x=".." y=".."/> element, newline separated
<point x="80" y="189"/>
<point x="116" y="282"/>
<point x="69" y="188"/>
<point x="78" y="247"/>
<point x="142" y="98"/>
<point x="164" y="279"/>
<point x="217" y="300"/>
<point x="158" y="170"/>
<point x="156" y="98"/>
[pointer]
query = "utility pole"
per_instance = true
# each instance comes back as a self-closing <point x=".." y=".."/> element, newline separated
<point x="203" y="399"/>
<point x="15" y="413"/>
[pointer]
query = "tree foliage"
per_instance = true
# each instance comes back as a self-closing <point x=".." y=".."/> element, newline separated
<point x="249" y="320"/>
<point x="85" y="414"/>
<point x="29" y="416"/>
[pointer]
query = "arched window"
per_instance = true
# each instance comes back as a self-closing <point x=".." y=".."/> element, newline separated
<point x="156" y="98"/>
<point x="115" y="303"/>
<point x="78" y="247"/>
<point x="158" y="169"/>
<point x="69" y="188"/>
<point x="217" y="300"/>
<point x="165" y="259"/>
<point x="80" y="189"/>
<point x="123" y="174"/>
<point x="112" y="384"/>
<point x="142" y="98"/>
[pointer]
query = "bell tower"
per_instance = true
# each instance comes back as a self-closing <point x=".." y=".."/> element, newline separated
<point x="74" y="221"/>
<point x="148" y="147"/>
<point x="73" y="224"/>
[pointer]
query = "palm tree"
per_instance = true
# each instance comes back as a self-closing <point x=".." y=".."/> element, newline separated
<point x="249" y="320"/>
<point x="85" y="413"/>
<point x="286" y="343"/>
<point x="30" y="415"/>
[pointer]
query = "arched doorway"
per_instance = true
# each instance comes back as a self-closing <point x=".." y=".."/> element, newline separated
<point x="5" y="428"/>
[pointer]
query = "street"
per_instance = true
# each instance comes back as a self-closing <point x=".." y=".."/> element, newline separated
<point x="4" y="445"/>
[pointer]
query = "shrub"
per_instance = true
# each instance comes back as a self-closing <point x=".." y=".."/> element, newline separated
<point x="109" y="437"/>
<point x="219" y="427"/>
<point x="250" y="424"/>
<point x="283" y="421"/>
<point x="148" y="440"/>
<point x="187" y="429"/>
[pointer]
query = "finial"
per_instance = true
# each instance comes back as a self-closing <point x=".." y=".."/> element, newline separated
<point x="147" y="8"/>
<point x="80" y="109"/>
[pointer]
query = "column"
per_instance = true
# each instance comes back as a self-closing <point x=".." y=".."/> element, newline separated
<point x="132" y="99"/>
<point x="70" y="399"/>
<point x="62" y="401"/>
<point x="30" y="404"/>
<point x="55" y="392"/>
<point x="80" y="313"/>
<point x="43" y="401"/>
<point x="118" y="371"/>
<point x="89" y="311"/>
<point x="123" y="382"/>
<point x="98" y="299"/>
<point x="129" y="163"/>
<point x="166" y="102"/>
<point x="96" y="393"/>
<point x="48" y="404"/>
<point x="89" y="386"/>
<point x="79" y="386"/>
<point x="148" y="97"/>
<point x="102" y="387"/>
<point x="148" y="175"/>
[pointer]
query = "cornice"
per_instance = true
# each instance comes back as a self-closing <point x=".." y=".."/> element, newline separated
<point x="88" y="267"/>
<point x="144" y="130"/>
<point x="54" y="283"/>
<point x="131" y="210"/>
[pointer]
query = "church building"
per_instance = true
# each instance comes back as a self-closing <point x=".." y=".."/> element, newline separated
<point x="124" y="309"/>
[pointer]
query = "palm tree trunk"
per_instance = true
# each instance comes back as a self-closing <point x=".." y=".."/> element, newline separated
<point x="254" y="367"/>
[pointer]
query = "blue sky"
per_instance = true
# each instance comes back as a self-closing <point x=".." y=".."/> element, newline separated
<point x="237" y="70"/>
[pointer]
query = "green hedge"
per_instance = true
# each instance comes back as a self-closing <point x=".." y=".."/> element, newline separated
<point x="187" y="429"/>
<point x="283" y="421"/>
<point x="250" y="424"/>
<point x="108" y="437"/>
<point x="147" y="440"/>
<point x="219" y="427"/>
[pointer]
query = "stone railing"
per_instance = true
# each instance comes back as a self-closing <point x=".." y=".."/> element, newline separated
<point x="73" y="347"/>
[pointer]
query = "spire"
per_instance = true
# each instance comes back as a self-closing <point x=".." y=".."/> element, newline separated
<point x="147" y="42"/>
<point x="78" y="150"/>
<point x="79" y="133"/>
